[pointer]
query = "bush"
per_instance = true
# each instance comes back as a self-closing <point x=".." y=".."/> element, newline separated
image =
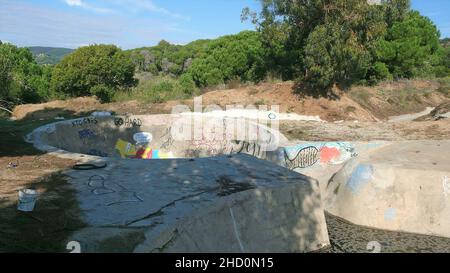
<point x="104" y="93"/>
<point x="97" y="68"/>
<point x="187" y="84"/>
<point x="22" y="80"/>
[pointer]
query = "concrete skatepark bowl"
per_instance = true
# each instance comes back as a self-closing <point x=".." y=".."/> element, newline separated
<point x="210" y="190"/>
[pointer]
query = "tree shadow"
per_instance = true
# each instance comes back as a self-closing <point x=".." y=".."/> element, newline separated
<point x="302" y="91"/>
<point x="47" y="228"/>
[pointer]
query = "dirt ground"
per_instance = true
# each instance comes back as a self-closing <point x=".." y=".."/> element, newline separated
<point x="22" y="166"/>
<point x="359" y="103"/>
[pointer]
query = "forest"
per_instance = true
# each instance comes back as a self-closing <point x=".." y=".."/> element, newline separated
<point x="317" y="44"/>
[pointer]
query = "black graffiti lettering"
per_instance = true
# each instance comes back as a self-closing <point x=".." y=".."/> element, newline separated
<point x="306" y="157"/>
<point x="84" y="121"/>
<point x="253" y="149"/>
<point x="128" y="122"/>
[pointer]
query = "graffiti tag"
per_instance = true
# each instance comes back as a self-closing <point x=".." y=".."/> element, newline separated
<point x="128" y="122"/>
<point x="86" y="133"/>
<point x="304" y="158"/>
<point x="84" y="121"/>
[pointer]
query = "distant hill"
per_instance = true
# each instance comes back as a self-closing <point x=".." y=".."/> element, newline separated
<point x="49" y="55"/>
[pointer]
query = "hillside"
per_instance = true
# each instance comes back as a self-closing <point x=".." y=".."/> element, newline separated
<point x="49" y="55"/>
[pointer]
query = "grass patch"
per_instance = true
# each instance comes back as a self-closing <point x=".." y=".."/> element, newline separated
<point x="157" y="89"/>
<point x="13" y="133"/>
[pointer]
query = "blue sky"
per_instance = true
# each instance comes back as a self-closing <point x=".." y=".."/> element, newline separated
<point x="136" y="23"/>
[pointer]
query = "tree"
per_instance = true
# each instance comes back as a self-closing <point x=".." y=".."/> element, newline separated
<point x="229" y="57"/>
<point x="411" y="47"/>
<point x="319" y="42"/>
<point x="91" y="70"/>
<point x="21" y="78"/>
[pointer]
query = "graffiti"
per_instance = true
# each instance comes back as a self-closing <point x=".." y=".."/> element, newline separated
<point x="97" y="183"/>
<point x="95" y="152"/>
<point x="86" y="133"/>
<point x="362" y="175"/>
<point x="169" y="140"/>
<point x="128" y="150"/>
<point x="127" y="122"/>
<point x="84" y="121"/>
<point x="211" y="146"/>
<point x="143" y="137"/>
<point x="250" y="148"/>
<point x="306" y="157"/>
<point x="390" y="214"/>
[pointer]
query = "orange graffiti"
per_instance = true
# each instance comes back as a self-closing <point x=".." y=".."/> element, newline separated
<point x="327" y="154"/>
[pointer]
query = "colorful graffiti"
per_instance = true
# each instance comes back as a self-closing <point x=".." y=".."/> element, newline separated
<point x="128" y="150"/>
<point x="307" y="155"/>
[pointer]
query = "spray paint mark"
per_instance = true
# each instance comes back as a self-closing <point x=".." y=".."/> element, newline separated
<point x="390" y="214"/>
<point x="362" y="175"/>
<point x="328" y="154"/>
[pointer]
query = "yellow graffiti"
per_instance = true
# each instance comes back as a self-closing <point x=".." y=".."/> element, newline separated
<point x="125" y="149"/>
<point x="128" y="150"/>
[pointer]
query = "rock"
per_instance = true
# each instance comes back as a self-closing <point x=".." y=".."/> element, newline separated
<point x="442" y="111"/>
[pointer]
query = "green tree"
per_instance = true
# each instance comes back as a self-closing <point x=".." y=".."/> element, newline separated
<point x="21" y="78"/>
<point x="411" y="47"/>
<point x="229" y="57"/>
<point x="94" y="70"/>
<point x="319" y="42"/>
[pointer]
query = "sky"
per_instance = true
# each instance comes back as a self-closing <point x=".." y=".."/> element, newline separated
<point x="137" y="23"/>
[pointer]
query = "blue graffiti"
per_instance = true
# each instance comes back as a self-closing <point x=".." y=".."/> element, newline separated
<point x="390" y="214"/>
<point x="361" y="175"/>
<point x="86" y="133"/>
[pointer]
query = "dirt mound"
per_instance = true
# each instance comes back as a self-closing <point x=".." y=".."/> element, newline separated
<point x="359" y="103"/>
<point x="398" y="98"/>
<point x="282" y="94"/>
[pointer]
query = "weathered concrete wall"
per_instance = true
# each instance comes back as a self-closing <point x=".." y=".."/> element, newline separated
<point x="172" y="136"/>
<point x="223" y="204"/>
<point x="403" y="186"/>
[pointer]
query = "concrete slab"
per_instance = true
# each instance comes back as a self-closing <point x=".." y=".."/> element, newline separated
<point x="224" y="204"/>
<point x="404" y="186"/>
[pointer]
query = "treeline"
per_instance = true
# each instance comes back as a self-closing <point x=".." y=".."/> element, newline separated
<point x="317" y="43"/>
<point x="321" y="43"/>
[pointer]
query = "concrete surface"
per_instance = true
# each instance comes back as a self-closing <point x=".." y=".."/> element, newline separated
<point x="222" y="204"/>
<point x="175" y="204"/>
<point x="403" y="186"/>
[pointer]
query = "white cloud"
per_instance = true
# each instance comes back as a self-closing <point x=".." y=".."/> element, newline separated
<point x="52" y="27"/>
<point x="149" y="5"/>
<point x="73" y="2"/>
<point x="82" y="4"/>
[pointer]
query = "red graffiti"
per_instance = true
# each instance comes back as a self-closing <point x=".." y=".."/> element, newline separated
<point x="327" y="154"/>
